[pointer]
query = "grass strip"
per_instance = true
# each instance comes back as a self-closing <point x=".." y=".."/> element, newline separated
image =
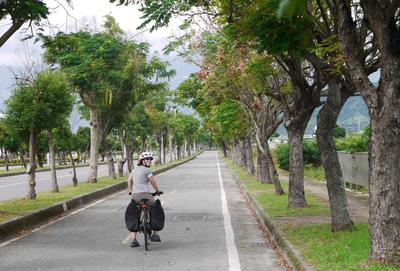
<point x="18" y="207"/>
<point x="273" y="204"/>
<point x="327" y="251"/>
<point x="334" y="251"/>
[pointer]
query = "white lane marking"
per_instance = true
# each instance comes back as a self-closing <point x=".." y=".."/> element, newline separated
<point x="233" y="256"/>
<point x="59" y="219"/>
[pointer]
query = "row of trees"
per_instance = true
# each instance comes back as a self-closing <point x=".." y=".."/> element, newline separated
<point x="118" y="87"/>
<point x="263" y="65"/>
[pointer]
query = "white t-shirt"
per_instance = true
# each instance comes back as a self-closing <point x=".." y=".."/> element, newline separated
<point x="141" y="175"/>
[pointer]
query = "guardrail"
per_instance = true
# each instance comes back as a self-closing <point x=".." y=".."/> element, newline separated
<point x="355" y="167"/>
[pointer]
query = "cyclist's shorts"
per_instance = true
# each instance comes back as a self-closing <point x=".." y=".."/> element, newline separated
<point x="139" y="196"/>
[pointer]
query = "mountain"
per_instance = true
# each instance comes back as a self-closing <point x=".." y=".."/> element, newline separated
<point x="353" y="117"/>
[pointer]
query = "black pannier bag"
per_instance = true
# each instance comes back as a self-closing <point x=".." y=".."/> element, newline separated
<point x="132" y="216"/>
<point x="157" y="216"/>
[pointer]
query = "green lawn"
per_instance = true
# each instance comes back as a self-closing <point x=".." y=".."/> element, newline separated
<point x="19" y="207"/>
<point x="318" y="245"/>
<point x="334" y="251"/>
<point x="314" y="173"/>
<point x="22" y="169"/>
<point x="276" y="205"/>
<point x="12" y="170"/>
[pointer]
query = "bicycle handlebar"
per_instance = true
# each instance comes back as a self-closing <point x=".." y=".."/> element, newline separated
<point x="157" y="193"/>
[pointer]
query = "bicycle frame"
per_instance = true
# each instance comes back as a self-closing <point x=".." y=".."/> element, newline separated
<point x="145" y="223"/>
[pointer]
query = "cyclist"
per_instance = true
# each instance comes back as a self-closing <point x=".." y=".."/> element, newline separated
<point x="139" y="189"/>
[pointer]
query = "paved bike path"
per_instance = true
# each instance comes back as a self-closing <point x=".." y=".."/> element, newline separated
<point x="196" y="235"/>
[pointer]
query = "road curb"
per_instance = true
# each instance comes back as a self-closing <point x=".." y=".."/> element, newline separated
<point x="28" y="221"/>
<point x="286" y="247"/>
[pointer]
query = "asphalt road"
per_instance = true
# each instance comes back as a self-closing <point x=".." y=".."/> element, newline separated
<point x="17" y="186"/>
<point x="208" y="227"/>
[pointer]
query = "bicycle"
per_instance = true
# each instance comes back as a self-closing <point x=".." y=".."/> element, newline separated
<point x="144" y="221"/>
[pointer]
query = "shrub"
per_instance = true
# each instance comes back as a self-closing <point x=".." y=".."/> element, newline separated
<point x="310" y="154"/>
<point x="354" y="142"/>
<point x="339" y="132"/>
<point x="282" y="155"/>
<point x="12" y="162"/>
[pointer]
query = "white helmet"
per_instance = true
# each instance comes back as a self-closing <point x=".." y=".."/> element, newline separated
<point x="145" y="155"/>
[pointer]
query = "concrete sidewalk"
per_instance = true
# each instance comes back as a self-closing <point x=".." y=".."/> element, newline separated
<point x="358" y="202"/>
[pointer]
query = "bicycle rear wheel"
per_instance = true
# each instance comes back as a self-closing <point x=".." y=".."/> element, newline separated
<point x="145" y="229"/>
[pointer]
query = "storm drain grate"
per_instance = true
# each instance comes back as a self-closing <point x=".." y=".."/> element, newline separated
<point x="189" y="218"/>
<point x="259" y="244"/>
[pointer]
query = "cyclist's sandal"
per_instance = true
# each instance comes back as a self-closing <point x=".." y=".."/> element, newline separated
<point x="155" y="238"/>
<point x="135" y="243"/>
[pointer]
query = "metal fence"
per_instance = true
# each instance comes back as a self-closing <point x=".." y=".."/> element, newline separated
<point x="354" y="167"/>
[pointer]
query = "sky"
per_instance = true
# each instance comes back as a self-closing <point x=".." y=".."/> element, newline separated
<point x="66" y="18"/>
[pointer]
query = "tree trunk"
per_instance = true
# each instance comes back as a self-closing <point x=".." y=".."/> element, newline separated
<point x="384" y="109"/>
<point x="52" y="162"/>
<point x="110" y="162"/>
<point x="296" y="168"/>
<point x="21" y="157"/>
<point x="178" y="151"/>
<point x="224" y="148"/>
<point x="128" y="154"/>
<point x="175" y="152"/>
<point x="159" y="145"/>
<point x="64" y="158"/>
<point x="272" y="171"/>
<point x="94" y="146"/>
<point x="185" y="148"/>
<point x="130" y="161"/>
<point x="79" y="157"/>
<point x="327" y="118"/>
<point x="189" y="149"/>
<point x="232" y="153"/>
<point x="164" y="152"/>
<point x="32" y="164"/>
<point x="162" y="157"/>
<point x="143" y="144"/>
<point x="40" y="158"/>
<point x="74" y="178"/>
<point x="121" y="167"/>
<point x="6" y="160"/>
<point x="17" y="24"/>
<point x="265" y="175"/>
<point x="237" y="155"/>
<point x="249" y="157"/>
<point x="258" y="173"/>
<point x="170" y="147"/>
<point x="384" y="183"/>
